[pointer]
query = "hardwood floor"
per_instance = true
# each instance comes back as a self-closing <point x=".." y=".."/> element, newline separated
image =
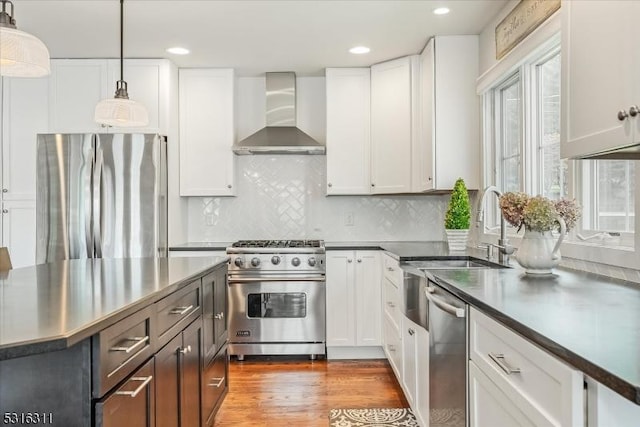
<point x="271" y="392"/>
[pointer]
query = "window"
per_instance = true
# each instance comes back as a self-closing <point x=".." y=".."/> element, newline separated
<point x="524" y="152"/>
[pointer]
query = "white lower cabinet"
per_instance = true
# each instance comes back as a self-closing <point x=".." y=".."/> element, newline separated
<point x="530" y="386"/>
<point x="354" y="314"/>
<point x="415" y="372"/>
<point x="606" y="408"/>
<point x="19" y="231"/>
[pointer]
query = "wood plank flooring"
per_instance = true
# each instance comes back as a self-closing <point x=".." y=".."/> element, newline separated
<point x="270" y="392"/>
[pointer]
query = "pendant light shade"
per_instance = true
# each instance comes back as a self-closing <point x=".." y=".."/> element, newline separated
<point x="21" y="54"/>
<point x="121" y="111"/>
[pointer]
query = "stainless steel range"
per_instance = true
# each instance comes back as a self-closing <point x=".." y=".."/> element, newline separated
<point x="277" y="297"/>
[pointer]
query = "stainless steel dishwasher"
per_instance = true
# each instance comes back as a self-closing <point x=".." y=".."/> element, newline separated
<point x="447" y="326"/>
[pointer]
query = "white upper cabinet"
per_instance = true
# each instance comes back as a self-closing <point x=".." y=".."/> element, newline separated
<point x="206" y="132"/>
<point x="25" y="114"/>
<point x="77" y="85"/>
<point x="600" y="68"/>
<point x="449" y="114"/>
<point x="348" y="130"/>
<point x="391" y="107"/>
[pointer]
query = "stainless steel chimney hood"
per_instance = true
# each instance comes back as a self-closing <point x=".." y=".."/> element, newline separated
<point x="281" y="136"/>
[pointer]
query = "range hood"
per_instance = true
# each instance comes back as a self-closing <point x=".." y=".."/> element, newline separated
<point x="281" y="136"/>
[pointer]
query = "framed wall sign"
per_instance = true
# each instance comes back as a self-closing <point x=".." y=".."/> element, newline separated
<point x="521" y="21"/>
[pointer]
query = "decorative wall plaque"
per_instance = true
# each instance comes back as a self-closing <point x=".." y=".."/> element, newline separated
<point x="521" y="21"/>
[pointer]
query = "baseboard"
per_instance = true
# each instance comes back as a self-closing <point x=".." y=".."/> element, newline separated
<point x="337" y="353"/>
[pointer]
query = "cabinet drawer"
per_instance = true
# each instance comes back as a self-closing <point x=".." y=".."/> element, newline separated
<point x="133" y="404"/>
<point x="121" y="348"/>
<point x="176" y="311"/>
<point x="214" y="385"/>
<point x="550" y="389"/>
<point x="391" y="303"/>
<point x="391" y="270"/>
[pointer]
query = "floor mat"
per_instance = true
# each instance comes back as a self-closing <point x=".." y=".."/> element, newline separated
<point x="383" y="417"/>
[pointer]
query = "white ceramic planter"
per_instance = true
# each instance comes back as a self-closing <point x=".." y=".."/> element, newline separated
<point x="457" y="239"/>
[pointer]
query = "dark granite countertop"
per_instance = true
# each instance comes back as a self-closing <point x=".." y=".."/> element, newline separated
<point x="201" y="246"/>
<point x="52" y="306"/>
<point x="589" y="321"/>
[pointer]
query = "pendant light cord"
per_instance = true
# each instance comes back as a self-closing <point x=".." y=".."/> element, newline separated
<point x="121" y="39"/>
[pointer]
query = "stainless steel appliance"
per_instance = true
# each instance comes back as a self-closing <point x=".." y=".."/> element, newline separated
<point x="277" y="297"/>
<point x="101" y="196"/>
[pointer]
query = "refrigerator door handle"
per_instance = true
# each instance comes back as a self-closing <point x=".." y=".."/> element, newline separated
<point x="97" y="223"/>
<point x="87" y="218"/>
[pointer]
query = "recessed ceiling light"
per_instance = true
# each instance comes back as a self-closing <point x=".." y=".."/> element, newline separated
<point x="441" y="11"/>
<point x="358" y="50"/>
<point x="178" y="50"/>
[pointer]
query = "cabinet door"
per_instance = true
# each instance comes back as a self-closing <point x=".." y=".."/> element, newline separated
<point x="425" y="148"/>
<point x="130" y="405"/>
<point x="214" y="385"/>
<point x="489" y="406"/>
<point x="391" y="126"/>
<point x="220" y="305"/>
<point x="340" y="299"/>
<point x="19" y="231"/>
<point x="145" y="79"/>
<point x="190" y="355"/>
<point x="25" y="114"/>
<point x="208" y="312"/>
<point x="598" y="80"/>
<point x="168" y="384"/>
<point x="348" y="130"/>
<point x="606" y="408"/>
<point x="76" y="86"/>
<point x="409" y="348"/>
<point x="206" y="132"/>
<point x="368" y="295"/>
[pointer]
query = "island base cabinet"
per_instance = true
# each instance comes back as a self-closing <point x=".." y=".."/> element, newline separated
<point x="132" y="404"/>
<point x="489" y="406"/>
<point x="215" y="385"/>
<point x="606" y="408"/>
<point x="177" y="367"/>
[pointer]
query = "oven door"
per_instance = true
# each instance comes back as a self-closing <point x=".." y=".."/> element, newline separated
<point x="277" y="310"/>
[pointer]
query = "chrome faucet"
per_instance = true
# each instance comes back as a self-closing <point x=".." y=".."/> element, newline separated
<point x="503" y="243"/>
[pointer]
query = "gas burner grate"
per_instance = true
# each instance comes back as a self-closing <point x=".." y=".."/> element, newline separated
<point x="278" y="244"/>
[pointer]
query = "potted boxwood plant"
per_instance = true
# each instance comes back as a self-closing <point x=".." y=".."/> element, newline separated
<point x="458" y="217"/>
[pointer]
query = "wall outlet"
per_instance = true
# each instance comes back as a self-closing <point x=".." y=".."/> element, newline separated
<point x="348" y="219"/>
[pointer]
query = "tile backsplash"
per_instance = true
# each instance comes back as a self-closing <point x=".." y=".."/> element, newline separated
<point x="283" y="197"/>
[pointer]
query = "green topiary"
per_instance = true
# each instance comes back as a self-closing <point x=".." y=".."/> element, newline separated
<point x="458" y="215"/>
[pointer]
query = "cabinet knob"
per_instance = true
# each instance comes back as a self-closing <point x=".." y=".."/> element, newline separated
<point x="5" y="190"/>
<point x="430" y="178"/>
<point x="411" y="331"/>
<point x="329" y="185"/>
<point x="186" y="350"/>
<point x="229" y="186"/>
<point x="359" y="260"/>
<point x="349" y="260"/>
<point x="5" y="211"/>
<point x="219" y="316"/>
<point x="634" y="110"/>
<point x="372" y="184"/>
<point x="622" y="115"/>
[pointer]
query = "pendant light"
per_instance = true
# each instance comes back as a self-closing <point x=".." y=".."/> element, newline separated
<point x="120" y="110"/>
<point x="21" y="54"/>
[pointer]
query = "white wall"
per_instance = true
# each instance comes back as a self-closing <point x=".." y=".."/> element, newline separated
<point x="283" y="196"/>
<point x="488" y="38"/>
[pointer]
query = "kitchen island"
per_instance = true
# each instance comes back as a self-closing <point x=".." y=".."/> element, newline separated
<point x="74" y="334"/>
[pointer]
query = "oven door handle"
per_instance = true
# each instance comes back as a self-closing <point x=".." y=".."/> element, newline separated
<point x="276" y="279"/>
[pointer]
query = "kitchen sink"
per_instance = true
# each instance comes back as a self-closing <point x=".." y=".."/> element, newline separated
<point x="452" y="264"/>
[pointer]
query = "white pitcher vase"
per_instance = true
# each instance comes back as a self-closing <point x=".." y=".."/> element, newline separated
<point x="539" y="253"/>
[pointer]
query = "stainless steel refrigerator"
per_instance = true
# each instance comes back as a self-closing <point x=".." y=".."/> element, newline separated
<point x="101" y="196"/>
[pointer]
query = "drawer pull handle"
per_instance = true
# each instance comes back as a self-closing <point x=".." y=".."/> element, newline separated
<point x="185" y="350"/>
<point x="134" y="393"/>
<point x="411" y="331"/>
<point x="219" y="316"/>
<point x="138" y="342"/>
<point x="220" y="381"/>
<point x="502" y="363"/>
<point x="181" y="310"/>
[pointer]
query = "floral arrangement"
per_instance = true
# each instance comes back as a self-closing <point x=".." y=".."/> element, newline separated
<point x="538" y="213"/>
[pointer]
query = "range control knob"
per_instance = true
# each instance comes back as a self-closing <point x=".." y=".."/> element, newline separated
<point x="312" y="262"/>
<point x="295" y="261"/>
<point x="255" y="262"/>
<point x="239" y="262"/>
<point x="275" y="260"/>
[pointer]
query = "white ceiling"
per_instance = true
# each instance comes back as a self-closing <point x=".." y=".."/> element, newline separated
<point x="254" y="36"/>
